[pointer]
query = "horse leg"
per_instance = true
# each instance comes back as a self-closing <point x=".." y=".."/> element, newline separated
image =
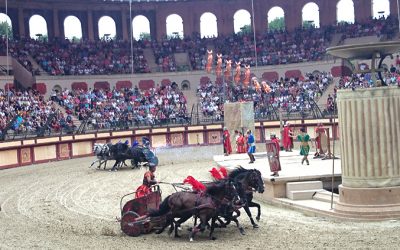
<point x="247" y="209"/>
<point x="93" y="163"/>
<point x="115" y="165"/>
<point x="241" y="230"/>
<point x="213" y="219"/>
<point x="253" y="204"/>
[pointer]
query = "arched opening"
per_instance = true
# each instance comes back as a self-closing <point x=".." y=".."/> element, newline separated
<point x="107" y="29"/>
<point x="242" y="21"/>
<point x="174" y="26"/>
<point x="37" y="27"/>
<point x="310" y="15"/>
<point x="5" y="25"/>
<point x="185" y="85"/>
<point x="208" y="25"/>
<point x="276" y="19"/>
<point x="72" y="28"/>
<point x="345" y="11"/>
<point x="141" y="28"/>
<point x="380" y="8"/>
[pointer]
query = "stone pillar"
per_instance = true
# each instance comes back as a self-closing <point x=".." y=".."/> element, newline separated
<point x="21" y="22"/>
<point x="90" y="25"/>
<point x="56" y="25"/>
<point x="239" y="116"/>
<point x="125" y="28"/>
<point x="369" y="121"/>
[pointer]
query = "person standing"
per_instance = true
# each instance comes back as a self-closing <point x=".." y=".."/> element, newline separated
<point x="304" y="138"/>
<point x="277" y="149"/>
<point x="287" y="137"/>
<point x="227" y="142"/>
<point x="251" y="142"/>
<point x="240" y="141"/>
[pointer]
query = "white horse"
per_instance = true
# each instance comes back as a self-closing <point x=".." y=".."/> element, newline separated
<point x="103" y="154"/>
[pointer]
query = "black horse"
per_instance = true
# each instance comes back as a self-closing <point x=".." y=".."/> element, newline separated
<point x="136" y="154"/>
<point x="247" y="181"/>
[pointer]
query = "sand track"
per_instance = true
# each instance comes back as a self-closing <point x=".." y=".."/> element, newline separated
<point x="66" y="205"/>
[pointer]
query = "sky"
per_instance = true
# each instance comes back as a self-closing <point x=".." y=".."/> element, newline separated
<point x="208" y="25"/>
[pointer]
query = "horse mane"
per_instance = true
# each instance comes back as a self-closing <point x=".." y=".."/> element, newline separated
<point x="238" y="171"/>
<point x="215" y="187"/>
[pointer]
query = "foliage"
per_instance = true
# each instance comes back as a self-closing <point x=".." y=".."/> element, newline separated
<point x="144" y="36"/>
<point x="5" y="28"/>
<point x="308" y="24"/>
<point x="277" y="24"/>
<point x="246" y="29"/>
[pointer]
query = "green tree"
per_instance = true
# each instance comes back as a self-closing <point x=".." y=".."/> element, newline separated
<point x="308" y="24"/>
<point x="246" y="29"/>
<point x="4" y="28"/>
<point x="144" y="36"/>
<point x="277" y="24"/>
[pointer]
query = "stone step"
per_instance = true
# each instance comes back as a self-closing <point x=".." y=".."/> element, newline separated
<point x="326" y="196"/>
<point x="303" y="185"/>
<point x="302" y="194"/>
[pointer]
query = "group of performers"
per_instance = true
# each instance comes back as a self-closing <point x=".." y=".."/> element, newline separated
<point x="244" y="143"/>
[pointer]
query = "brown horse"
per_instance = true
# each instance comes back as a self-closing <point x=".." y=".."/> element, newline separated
<point x="203" y="205"/>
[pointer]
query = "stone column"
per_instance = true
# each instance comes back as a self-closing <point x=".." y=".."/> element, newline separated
<point x="125" y="28"/>
<point x="239" y="116"/>
<point x="90" y="25"/>
<point x="21" y="22"/>
<point x="369" y="121"/>
<point x="56" y="25"/>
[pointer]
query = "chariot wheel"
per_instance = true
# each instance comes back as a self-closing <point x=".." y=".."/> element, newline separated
<point x="130" y="225"/>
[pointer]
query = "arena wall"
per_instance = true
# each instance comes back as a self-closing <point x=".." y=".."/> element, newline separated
<point x="38" y="150"/>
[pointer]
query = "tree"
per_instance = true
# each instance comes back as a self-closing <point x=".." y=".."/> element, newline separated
<point x="277" y="24"/>
<point x="246" y="29"/>
<point x="144" y="36"/>
<point x="308" y="24"/>
<point x="5" y="28"/>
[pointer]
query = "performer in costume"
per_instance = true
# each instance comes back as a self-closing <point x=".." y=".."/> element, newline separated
<point x="209" y="61"/>
<point x="304" y="138"/>
<point x="251" y="142"/>
<point x="240" y="142"/>
<point x="227" y="142"/>
<point x="318" y="130"/>
<point x="277" y="146"/>
<point x="149" y="179"/>
<point x="237" y="73"/>
<point x="287" y="137"/>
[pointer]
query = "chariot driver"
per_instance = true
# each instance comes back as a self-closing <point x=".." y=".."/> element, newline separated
<point x="149" y="179"/>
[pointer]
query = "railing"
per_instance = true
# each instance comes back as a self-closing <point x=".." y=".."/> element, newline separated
<point x="189" y="119"/>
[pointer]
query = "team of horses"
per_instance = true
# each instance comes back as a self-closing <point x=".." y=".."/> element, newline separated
<point x="120" y="152"/>
<point x="220" y="202"/>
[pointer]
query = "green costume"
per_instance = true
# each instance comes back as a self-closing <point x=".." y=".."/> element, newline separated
<point x="304" y="147"/>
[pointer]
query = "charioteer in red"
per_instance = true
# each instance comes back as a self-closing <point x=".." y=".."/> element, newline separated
<point x="149" y="179"/>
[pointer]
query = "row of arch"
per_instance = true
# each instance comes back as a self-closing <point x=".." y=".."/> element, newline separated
<point x="208" y="21"/>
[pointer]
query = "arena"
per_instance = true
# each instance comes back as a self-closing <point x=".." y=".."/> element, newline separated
<point x="77" y="73"/>
<point x="66" y="205"/>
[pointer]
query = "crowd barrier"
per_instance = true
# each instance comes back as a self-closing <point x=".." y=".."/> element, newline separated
<point x="39" y="150"/>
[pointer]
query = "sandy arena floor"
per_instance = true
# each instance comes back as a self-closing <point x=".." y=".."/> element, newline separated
<point x="66" y="205"/>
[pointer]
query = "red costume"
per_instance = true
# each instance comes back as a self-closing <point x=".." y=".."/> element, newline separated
<point x="276" y="141"/>
<point x="237" y="73"/>
<point x="287" y="138"/>
<point x="209" y="61"/>
<point x="240" y="142"/>
<point x="227" y="142"/>
<point x="148" y="181"/>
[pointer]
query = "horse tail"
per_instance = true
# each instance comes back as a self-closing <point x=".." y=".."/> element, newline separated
<point x="163" y="209"/>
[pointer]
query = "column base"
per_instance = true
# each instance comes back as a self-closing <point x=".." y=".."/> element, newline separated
<point x="369" y="203"/>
